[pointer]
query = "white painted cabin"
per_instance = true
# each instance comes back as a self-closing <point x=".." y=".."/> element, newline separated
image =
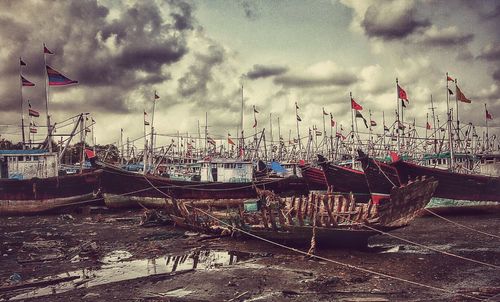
<point x="26" y="164"/>
<point x="226" y="170"/>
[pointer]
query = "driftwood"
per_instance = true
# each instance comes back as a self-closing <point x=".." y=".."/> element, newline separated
<point x="37" y="283"/>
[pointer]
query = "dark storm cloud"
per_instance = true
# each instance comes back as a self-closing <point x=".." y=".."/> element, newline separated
<point x="381" y="22"/>
<point x="496" y="75"/>
<point x="113" y="56"/>
<point x="262" y="71"/>
<point x="490" y="52"/>
<point x="194" y="82"/>
<point x="304" y="81"/>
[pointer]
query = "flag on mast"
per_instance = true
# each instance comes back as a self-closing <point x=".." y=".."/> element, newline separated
<point x="21" y="62"/>
<point x="26" y="82"/>
<point x="428" y="126"/>
<point x="449" y="79"/>
<point x="332" y="122"/>
<point x="58" y="79"/>
<point x="146" y="123"/>
<point x="355" y="105"/>
<point x="461" y="97"/>
<point x="255" y="122"/>
<point x="358" y="114"/>
<point x="255" y="110"/>
<point x="298" y="118"/>
<point x="32" y="112"/>
<point x="402" y="93"/>
<point x="46" y="50"/>
<point x="324" y="112"/>
<point x="489" y="116"/>
<point x="156" y="96"/>
<point x="373" y="123"/>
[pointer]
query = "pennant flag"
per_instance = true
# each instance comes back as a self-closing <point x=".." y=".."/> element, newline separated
<point x="21" y="62"/>
<point x="89" y="153"/>
<point x="156" y="96"/>
<point x="211" y="141"/>
<point x="296" y="106"/>
<point x="402" y="94"/>
<point x="394" y="156"/>
<point x="87" y="130"/>
<point x="355" y="105"/>
<point x="428" y="126"/>
<point x="324" y="112"/>
<point x="298" y="118"/>
<point x="255" y="110"/>
<point x="461" y="97"/>
<point x="450" y="92"/>
<point x="358" y="114"/>
<point x="32" y="112"/>
<point x="33" y="130"/>
<point x="58" y="79"/>
<point x="332" y="122"/>
<point x="146" y="123"/>
<point x="230" y="141"/>
<point x="254" y="123"/>
<point x="489" y="116"/>
<point x="386" y="128"/>
<point x="318" y="133"/>
<point x="403" y="103"/>
<point x="46" y="50"/>
<point x="449" y="79"/>
<point x="373" y="123"/>
<point x="26" y="82"/>
<point x="339" y="135"/>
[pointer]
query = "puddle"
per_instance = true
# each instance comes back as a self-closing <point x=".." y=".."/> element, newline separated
<point x="117" y="268"/>
<point x="408" y="249"/>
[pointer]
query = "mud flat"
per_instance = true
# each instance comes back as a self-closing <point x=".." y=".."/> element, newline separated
<point x="107" y="256"/>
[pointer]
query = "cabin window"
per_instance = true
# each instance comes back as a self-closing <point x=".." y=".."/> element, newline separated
<point x="482" y="161"/>
<point x="20" y="158"/>
<point x="239" y="166"/>
<point x="433" y="161"/>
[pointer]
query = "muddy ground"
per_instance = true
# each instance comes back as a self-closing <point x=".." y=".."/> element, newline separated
<point x="107" y="256"/>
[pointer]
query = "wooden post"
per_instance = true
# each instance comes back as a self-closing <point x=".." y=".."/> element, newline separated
<point x="331" y="221"/>
<point x="299" y="212"/>
<point x="264" y="217"/>
<point x="271" y="218"/>
<point x="319" y="214"/>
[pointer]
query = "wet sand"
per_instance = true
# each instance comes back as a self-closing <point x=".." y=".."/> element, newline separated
<point x="107" y="256"/>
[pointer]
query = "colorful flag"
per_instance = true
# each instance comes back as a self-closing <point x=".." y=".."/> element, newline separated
<point x="32" y="112"/>
<point x="230" y="141"/>
<point x="318" y="133"/>
<point x="26" y="82"/>
<point x="46" y="50"/>
<point x="461" y="97"/>
<point x="373" y="123"/>
<point x="449" y="79"/>
<point x="255" y="110"/>
<point x="211" y="141"/>
<point x="58" y="79"/>
<point x="87" y="130"/>
<point x="324" y="112"/>
<point x="450" y="92"/>
<point x="489" y="116"/>
<point x="340" y="135"/>
<point x="296" y="106"/>
<point x="386" y="128"/>
<point x="358" y="114"/>
<point x="428" y="126"/>
<point x="298" y="118"/>
<point x="33" y="130"/>
<point x="89" y="153"/>
<point x="332" y="122"/>
<point x="355" y="105"/>
<point x="402" y="94"/>
<point x="394" y="156"/>
<point x="21" y="62"/>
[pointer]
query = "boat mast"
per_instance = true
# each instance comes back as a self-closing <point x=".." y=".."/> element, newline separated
<point x="22" y="104"/>
<point x="397" y="117"/>
<point x="352" y="131"/>
<point x="242" y="142"/>
<point x="298" y="131"/>
<point x="49" y="130"/>
<point x="434" y="123"/>
<point x="450" y="135"/>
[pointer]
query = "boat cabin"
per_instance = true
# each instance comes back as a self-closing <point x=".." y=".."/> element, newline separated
<point x="26" y="164"/>
<point x="489" y="164"/>
<point x="226" y="170"/>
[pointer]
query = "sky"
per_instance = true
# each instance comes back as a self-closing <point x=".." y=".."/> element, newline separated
<point x="198" y="54"/>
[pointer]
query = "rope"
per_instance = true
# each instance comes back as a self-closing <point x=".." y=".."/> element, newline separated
<point x="461" y="225"/>
<point x="330" y="260"/>
<point x="380" y="169"/>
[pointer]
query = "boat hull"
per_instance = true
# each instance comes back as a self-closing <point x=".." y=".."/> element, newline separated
<point x="346" y="181"/>
<point x="314" y="177"/>
<point x="380" y="177"/>
<point x="456" y="186"/>
<point x="42" y="195"/>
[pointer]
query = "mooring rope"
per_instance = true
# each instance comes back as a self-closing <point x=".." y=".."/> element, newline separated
<point x="461" y="225"/>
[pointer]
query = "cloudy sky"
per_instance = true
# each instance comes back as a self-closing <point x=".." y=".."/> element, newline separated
<point x="197" y="54"/>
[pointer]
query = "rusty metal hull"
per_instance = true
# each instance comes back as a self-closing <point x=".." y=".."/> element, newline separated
<point x="37" y="195"/>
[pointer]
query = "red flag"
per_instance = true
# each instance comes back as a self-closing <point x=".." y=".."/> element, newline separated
<point x="461" y="97"/>
<point x="211" y="141"/>
<point x="449" y="79"/>
<point x="489" y="116"/>
<point x="355" y="105"/>
<point x="373" y="123"/>
<point x="33" y="113"/>
<point x="332" y="122"/>
<point x="428" y="126"/>
<point x="230" y="141"/>
<point x="90" y="154"/>
<point x="340" y="135"/>
<point x="46" y="50"/>
<point x="402" y="94"/>
<point x="394" y="156"/>
<point x="26" y="82"/>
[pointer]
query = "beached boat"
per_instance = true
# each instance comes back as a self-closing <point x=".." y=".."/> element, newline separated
<point x="345" y="180"/>
<point x="30" y="184"/>
<point x="314" y="177"/>
<point x="456" y="186"/>
<point x="331" y="219"/>
<point x="126" y="189"/>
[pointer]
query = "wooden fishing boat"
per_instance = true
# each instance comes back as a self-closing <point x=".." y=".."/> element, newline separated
<point x="315" y="178"/>
<point x="456" y="186"/>
<point x="126" y="189"/>
<point x="326" y="220"/>
<point x="51" y="194"/>
<point x="345" y="180"/>
<point x="380" y="177"/>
